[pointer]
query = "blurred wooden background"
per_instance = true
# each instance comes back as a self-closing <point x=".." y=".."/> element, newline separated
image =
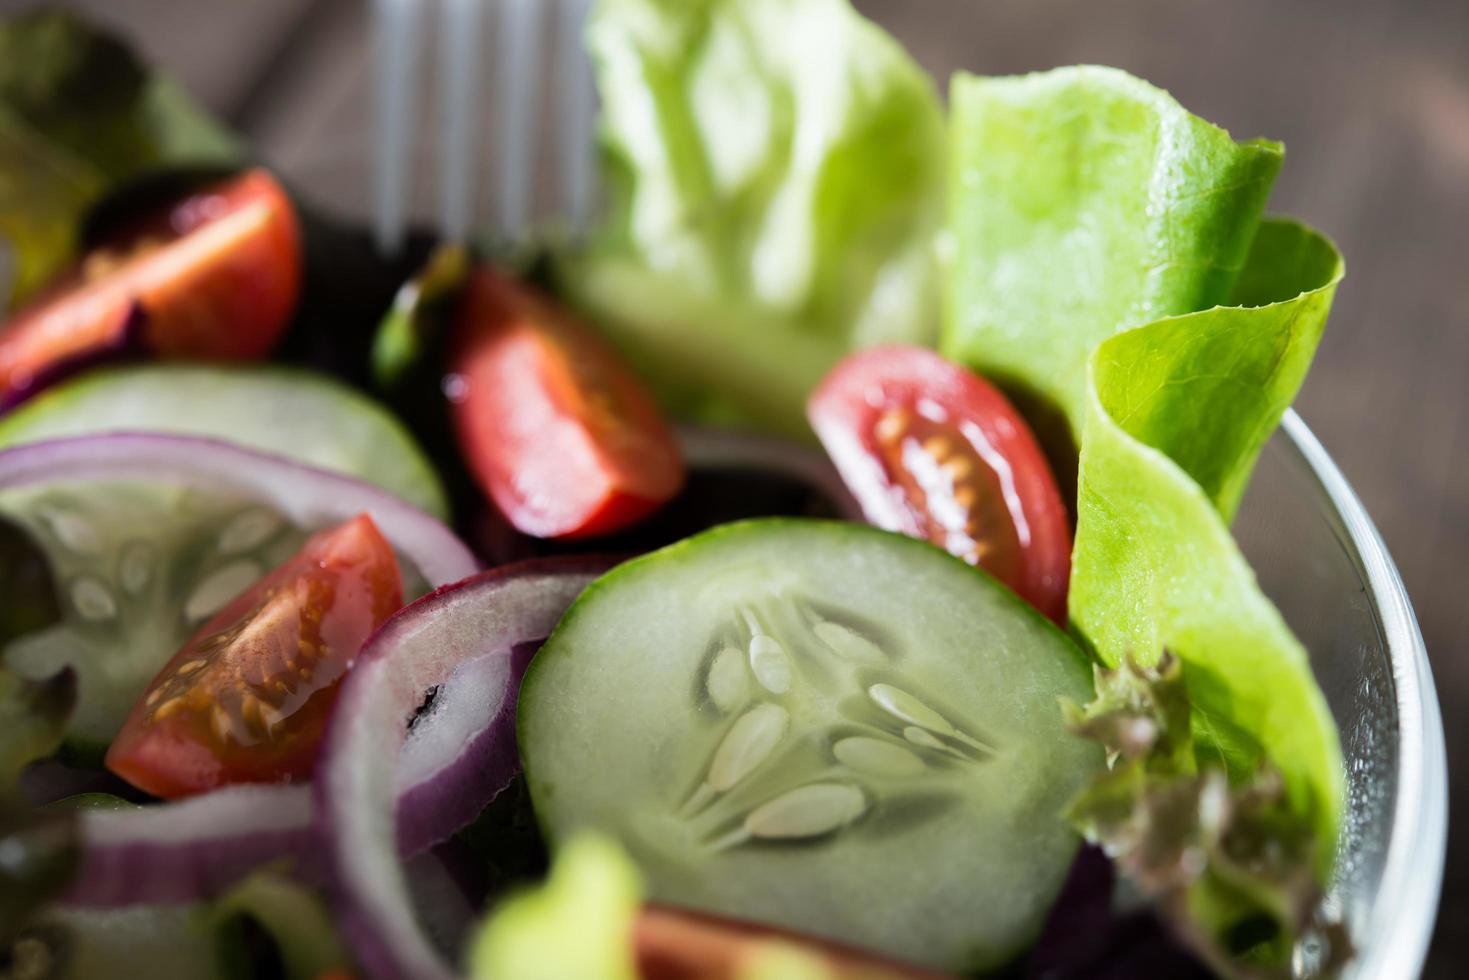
<point x="1370" y="96"/>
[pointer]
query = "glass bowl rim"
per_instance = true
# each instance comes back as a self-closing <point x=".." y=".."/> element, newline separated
<point x="1405" y="905"/>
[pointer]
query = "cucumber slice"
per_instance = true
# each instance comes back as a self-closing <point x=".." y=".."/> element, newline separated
<point x="138" y="567"/>
<point x="147" y="536"/>
<point x="288" y="411"/>
<point x="820" y="726"/>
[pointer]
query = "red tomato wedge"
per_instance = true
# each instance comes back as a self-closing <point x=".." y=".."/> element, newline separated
<point x="672" y="944"/>
<point x="932" y="450"/>
<point x="214" y="276"/>
<point x="248" y="697"/>
<point x="555" y="428"/>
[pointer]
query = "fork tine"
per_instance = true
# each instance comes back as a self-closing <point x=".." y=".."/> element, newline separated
<point x="395" y="55"/>
<point x="460" y="26"/>
<point x="577" y="106"/>
<point x="517" y="94"/>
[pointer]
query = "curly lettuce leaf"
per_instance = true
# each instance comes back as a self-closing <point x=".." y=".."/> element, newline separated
<point x="775" y="175"/>
<point x="1178" y="411"/>
<point x="1229" y="863"/>
<point x="1097" y="226"/>
<point x="1083" y="202"/>
<point x="79" y="115"/>
<point x="1208" y="390"/>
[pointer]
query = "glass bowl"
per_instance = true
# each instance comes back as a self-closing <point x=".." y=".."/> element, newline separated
<point x="1319" y="557"/>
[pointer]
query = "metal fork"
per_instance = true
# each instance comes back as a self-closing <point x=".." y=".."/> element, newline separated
<point x="469" y="88"/>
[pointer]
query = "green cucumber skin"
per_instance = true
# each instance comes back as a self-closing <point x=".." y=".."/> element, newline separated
<point x="119" y="652"/>
<point x="998" y="601"/>
<point x="412" y="476"/>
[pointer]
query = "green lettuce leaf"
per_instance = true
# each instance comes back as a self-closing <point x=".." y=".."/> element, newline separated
<point x="1095" y="222"/>
<point x="578" y="924"/>
<point x="1177" y="413"/>
<point x="1098" y="228"/>
<point x="79" y="115"/>
<point x="775" y="175"/>
<point x="1085" y="201"/>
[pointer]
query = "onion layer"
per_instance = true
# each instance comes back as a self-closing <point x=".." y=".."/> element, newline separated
<point x="468" y="630"/>
<point x="308" y="497"/>
<point x="192" y="848"/>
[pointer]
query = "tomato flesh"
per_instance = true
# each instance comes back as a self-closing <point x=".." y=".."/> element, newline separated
<point x="555" y="428"/>
<point x="932" y="450"/>
<point x="247" y="698"/>
<point x="677" y="945"/>
<point x="214" y="276"/>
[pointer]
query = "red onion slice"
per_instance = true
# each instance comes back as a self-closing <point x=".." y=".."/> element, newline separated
<point x="455" y="761"/>
<point x="453" y="764"/>
<point x="710" y="448"/>
<point x="420" y="649"/>
<point x="184" y="850"/>
<point x="308" y="497"/>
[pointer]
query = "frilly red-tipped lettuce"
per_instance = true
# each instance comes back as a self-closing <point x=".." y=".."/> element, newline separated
<point x="775" y="179"/>
<point x="1228" y="862"/>
<point x="1097" y="224"/>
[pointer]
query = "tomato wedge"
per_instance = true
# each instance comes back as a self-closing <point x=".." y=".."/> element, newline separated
<point x="555" y="428"/>
<point x="213" y="276"/>
<point x="672" y="944"/>
<point x="932" y="450"/>
<point x="247" y="698"/>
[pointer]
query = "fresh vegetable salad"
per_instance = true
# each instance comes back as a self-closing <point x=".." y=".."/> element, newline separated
<point x="822" y="570"/>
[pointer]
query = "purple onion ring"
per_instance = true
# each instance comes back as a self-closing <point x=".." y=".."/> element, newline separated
<point x="468" y="630"/>
<point x="191" y="848"/>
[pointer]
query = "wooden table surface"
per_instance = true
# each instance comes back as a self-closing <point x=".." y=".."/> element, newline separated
<point x="1370" y="96"/>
